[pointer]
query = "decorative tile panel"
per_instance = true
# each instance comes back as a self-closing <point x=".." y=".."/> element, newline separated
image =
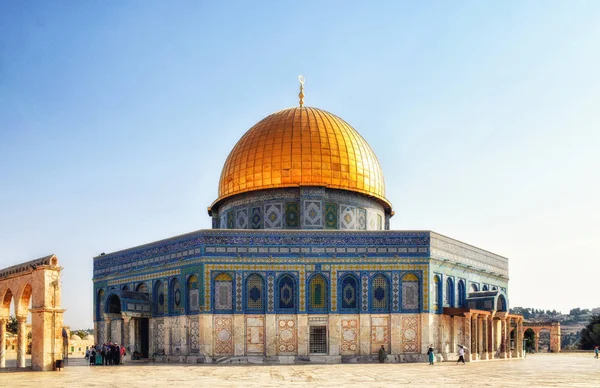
<point x="396" y="292"/>
<point x="160" y="335"/>
<point x="361" y="219"/>
<point x="287" y="336"/>
<point x="230" y="220"/>
<point x="241" y="219"/>
<point x="410" y="333"/>
<point x="331" y="216"/>
<point x="238" y="292"/>
<point x="194" y="336"/>
<point x="410" y="295"/>
<point x="256" y="218"/>
<point x="349" y="336"/>
<point x="313" y="214"/>
<point x="223" y="295"/>
<point x="273" y="218"/>
<point x="365" y="293"/>
<point x="255" y="334"/>
<point x="347" y="217"/>
<point x="223" y="221"/>
<point x="223" y="334"/>
<point x="292" y="215"/>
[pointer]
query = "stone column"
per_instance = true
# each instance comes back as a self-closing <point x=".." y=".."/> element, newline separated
<point x="3" y="342"/>
<point x="520" y="340"/>
<point x="21" y="341"/>
<point x="537" y="341"/>
<point x="507" y="338"/>
<point x="490" y="339"/>
<point x="474" y="337"/>
<point x="503" y="349"/>
<point x="484" y="337"/>
<point x="467" y="337"/>
<point x="480" y="338"/>
<point x="126" y="335"/>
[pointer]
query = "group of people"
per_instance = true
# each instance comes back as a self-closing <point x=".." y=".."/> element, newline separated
<point x="382" y="354"/>
<point x="105" y="354"/>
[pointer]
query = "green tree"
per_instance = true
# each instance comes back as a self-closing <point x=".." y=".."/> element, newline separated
<point x="12" y="326"/>
<point x="590" y="335"/>
<point x="80" y="333"/>
<point x="575" y="311"/>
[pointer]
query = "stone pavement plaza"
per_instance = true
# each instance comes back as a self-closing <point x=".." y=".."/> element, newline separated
<point x="540" y="370"/>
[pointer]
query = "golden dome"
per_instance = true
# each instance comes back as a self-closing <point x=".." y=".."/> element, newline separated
<point x="302" y="146"/>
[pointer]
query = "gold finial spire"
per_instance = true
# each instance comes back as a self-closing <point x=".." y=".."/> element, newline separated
<point x="301" y="94"/>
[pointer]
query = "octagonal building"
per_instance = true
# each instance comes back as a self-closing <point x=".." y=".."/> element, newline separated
<point x="300" y="265"/>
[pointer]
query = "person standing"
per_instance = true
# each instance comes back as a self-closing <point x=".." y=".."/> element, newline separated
<point x="122" y="353"/>
<point x="461" y="354"/>
<point x="382" y="354"/>
<point x="431" y="354"/>
<point x="596" y="351"/>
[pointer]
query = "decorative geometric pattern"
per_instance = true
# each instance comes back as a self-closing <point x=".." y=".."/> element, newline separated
<point x="176" y="292"/>
<point x="286" y="292"/>
<point x="287" y="339"/>
<point x="410" y="292"/>
<point x="396" y="292"/>
<point x="223" y="292"/>
<point x="318" y="293"/>
<point x="365" y="293"/>
<point x="254" y="292"/>
<point x="194" y="336"/>
<point x="255" y="335"/>
<point x="223" y="221"/>
<point x="238" y="292"/>
<point x="256" y="218"/>
<point x="230" y="220"/>
<point x="349" y="293"/>
<point x="347" y="217"/>
<point x="372" y="220"/>
<point x="379" y="222"/>
<point x="271" y="292"/>
<point x="313" y="214"/>
<point x="160" y="335"/>
<point x="349" y="336"/>
<point x="380" y="293"/>
<point x="176" y="333"/>
<point x="410" y="334"/>
<point x="241" y="219"/>
<point x="361" y="219"/>
<point x="273" y="216"/>
<point x="292" y="214"/>
<point x="331" y="216"/>
<point x="379" y="334"/>
<point x="193" y="294"/>
<point x="223" y="335"/>
<point x="101" y="333"/>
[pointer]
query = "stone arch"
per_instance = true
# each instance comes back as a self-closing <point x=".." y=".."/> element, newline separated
<point x="7" y="298"/>
<point x="437" y="293"/>
<point x="501" y="303"/>
<point x="462" y="294"/>
<point x="473" y="287"/>
<point x="539" y="328"/>
<point x="113" y="304"/>
<point x="449" y="292"/>
<point x="485" y="288"/>
<point x="23" y="300"/>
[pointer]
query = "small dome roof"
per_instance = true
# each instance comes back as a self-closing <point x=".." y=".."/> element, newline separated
<point x="89" y="337"/>
<point x="75" y="337"/>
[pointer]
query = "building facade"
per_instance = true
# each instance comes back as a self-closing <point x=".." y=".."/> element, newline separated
<point x="301" y="265"/>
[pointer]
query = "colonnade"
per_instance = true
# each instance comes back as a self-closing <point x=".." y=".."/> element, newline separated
<point x="488" y="335"/>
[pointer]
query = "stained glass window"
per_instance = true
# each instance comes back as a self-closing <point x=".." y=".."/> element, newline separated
<point x="349" y="292"/>
<point x="254" y="292"/>
<point x="318" y="293"/>
<point x="286" y="292"/>
<point x="193" y="297"/>
<point x="380" y="293"/>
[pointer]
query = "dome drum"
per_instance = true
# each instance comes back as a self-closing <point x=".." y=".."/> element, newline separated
<point x="301" y="208"/>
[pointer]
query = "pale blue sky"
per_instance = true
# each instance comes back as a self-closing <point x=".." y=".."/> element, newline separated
<point x="117" y="116"/>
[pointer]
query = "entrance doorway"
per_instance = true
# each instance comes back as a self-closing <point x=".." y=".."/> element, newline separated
<point x="318" y="339"/>
<point x="144" y="336"/>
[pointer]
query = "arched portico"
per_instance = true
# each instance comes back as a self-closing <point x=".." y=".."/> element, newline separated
<point x="36" y="282"/>
<point x="552" y="327"/>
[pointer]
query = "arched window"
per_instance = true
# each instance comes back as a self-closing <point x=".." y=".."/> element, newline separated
<point x="473" y="288"/>
<point x="436" y="293"/>
<point x="449" y="294"/>
<point x="142" y="287"/>
<point x="125" y="287"/>
<point x="175" y="302"/>
<point x="348" y="297"/>
<point x="411" y="296"/>
<point x="462" y="296"/>
<point x="286" y="293"/>
<point x="223" y="292"/>
<point x="485" y="287"/>
<point x="494" y="288"/>
<point x="100" y="305"/>
<point x="193" y="300"/>
<point x="380" y="293"/>
<point x="113" y="305"/>
<point x="159" y="298"/>
<point x="502" y="305"/>
<point x="317" y="298"/>
<point x="255" y="293"/>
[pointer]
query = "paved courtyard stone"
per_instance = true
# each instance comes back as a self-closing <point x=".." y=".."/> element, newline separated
<point x="540" y="370"/>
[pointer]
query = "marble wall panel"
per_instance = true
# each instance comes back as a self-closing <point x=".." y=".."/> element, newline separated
<point x="223" y="335"/>
<point x="350" y="332"/>
<point x="380" y="333"/>
<point x="115" y="330"/>
<point x="287" y="335"/>
<point x="255" y="334"/>
<point x="194" y="335"/>
<point x="410" y="333"/>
